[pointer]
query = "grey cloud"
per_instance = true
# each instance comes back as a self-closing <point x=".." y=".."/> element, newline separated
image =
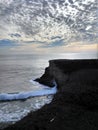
<point x="57" y="37"/>
<point x="31" y="42"/>
<point x="29" y="16"/>
<point x="56" y="43"/>
<point x="15" y="35"/>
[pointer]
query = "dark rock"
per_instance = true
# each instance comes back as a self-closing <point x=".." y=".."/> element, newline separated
<point x="60" y="71"/>
<point x="46" y="78"/>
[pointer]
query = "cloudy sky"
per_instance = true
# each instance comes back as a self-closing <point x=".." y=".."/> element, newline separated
<point x="49" y="25"/>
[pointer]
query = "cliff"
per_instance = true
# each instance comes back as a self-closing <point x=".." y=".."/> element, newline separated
<point x="63" y="70"/>
<point x="74" y="106"/>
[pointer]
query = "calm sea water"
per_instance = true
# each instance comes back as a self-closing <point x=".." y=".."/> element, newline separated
<point x="16" y="71"/>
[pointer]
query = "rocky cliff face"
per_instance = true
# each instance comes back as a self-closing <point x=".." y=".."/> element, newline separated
<point x="77" y="79"/>
<point x="63" y="71"/>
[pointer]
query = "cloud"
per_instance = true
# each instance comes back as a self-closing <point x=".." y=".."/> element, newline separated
<point x="48" y="22"/>
<point x="13" y="35"/>
<point x="55" y="37"/>
<point x="54" y="44"/>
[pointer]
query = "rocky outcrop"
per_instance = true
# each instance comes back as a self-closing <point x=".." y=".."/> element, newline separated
<point x="63" y="70"/>
<point x="74" y="106"/>
<point x="78" y="79"/>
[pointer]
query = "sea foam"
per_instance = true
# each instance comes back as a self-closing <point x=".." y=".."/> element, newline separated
<point x="24" y="95"/>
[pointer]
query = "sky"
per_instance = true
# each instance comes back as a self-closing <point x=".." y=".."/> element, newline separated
<point x="49" y="26"/>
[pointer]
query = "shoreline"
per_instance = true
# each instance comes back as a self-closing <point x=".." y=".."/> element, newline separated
<point x="74" y="106"/>
<point x="21" y="96"/>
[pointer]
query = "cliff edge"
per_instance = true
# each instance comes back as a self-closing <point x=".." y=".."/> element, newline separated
<point x="63" y="70"/>
<point x="74" y="106"/>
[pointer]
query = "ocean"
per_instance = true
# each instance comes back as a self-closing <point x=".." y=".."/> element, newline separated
<point x="17" y="72"/>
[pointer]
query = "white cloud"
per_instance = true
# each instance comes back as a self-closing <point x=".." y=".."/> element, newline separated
<point x="41" y="20"/>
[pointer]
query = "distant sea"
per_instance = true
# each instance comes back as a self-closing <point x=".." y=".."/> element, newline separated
<point x="16" y="72"/>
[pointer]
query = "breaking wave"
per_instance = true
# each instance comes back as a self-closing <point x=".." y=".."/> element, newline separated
<point x="25" y="95"/>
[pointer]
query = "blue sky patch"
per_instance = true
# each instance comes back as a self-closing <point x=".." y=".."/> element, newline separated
<point x="7" y="42"/>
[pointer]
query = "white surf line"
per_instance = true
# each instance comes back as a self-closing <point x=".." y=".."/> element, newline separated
<point x="25" y="95"/>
